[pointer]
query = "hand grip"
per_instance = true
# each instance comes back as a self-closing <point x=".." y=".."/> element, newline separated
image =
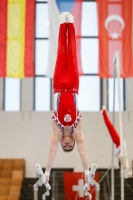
<point x="40" y="173"/>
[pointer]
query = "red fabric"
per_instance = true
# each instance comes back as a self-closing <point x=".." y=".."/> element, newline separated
<point x="113" y="133"/>
<point x="77" y="13"/>
<point x="107" y="44"/>
<point x="3" y="37"/>
<point x="67" y="106"/>
<point x="72" y="179"/>
<point x="29" y="39"/>
<point x="66" y="75"/>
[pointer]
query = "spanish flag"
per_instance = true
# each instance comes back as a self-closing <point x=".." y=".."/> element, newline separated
<point x="17" y="38"/>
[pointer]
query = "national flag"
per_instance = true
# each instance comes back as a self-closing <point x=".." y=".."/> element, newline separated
<point x="17" y="38"/>
<point x="115" y="34"/>
<point x="73" y="186"/>
<point x="55" y="8"/>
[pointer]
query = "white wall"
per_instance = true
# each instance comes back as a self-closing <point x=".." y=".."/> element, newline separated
<point x="26" y="135"/>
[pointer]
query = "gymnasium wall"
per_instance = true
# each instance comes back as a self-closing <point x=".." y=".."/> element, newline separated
<point x="26" y="135"/>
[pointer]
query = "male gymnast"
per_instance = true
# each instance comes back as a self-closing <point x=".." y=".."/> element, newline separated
<point x="66" y="119"/>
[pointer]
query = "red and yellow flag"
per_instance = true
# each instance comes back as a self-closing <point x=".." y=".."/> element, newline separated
<point x="115" y="34"/>
<point x="17" y="38"/>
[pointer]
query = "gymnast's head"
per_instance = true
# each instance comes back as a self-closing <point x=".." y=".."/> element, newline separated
<point x="67" y="141"/>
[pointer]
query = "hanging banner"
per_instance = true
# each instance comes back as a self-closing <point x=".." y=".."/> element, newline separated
<point x="115" y="34"/>
<point x="17" y="38"/>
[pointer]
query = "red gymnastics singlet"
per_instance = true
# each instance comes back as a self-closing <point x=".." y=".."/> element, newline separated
<point x="66" y="112"/>
<point x="66" y="109"/>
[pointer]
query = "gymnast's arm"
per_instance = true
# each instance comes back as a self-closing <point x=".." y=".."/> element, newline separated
<point x="54" y="140"/>
<point x="79" y="138"/>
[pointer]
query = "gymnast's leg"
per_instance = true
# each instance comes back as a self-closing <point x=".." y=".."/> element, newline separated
<point x="60" y="66"/>
<point x="72" y="65"/>
<point x="113" y="133"/>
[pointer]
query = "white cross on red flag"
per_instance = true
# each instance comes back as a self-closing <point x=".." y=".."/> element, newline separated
<point x="115" y="34"/>
<point x="73" y="186"/>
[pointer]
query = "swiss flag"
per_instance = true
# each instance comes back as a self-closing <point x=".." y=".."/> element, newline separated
<point x="73" y="186"/>
<point x="115" y="34"/>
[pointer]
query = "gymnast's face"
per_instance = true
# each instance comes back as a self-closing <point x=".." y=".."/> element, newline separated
<point x="67" y="141"/>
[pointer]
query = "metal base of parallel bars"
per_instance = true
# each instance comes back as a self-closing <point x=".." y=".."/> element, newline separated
<point x="35" y="189"/>
<point x="97" y="188"/>
<point x="40" y="182"/>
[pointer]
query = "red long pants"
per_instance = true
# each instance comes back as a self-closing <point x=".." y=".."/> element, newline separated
<point x="66" y="75"/>
<point x="113" y="133"/>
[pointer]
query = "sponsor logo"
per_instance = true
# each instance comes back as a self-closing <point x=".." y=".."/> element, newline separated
<point x="67" y="118"/>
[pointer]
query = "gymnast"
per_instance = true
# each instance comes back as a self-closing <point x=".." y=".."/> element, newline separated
<point x="116" y="139"/>
<point x="66" y="119"/>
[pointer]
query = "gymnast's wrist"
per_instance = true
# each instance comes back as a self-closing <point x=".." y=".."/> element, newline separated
<point x="47" y="173"/>
<point x="87" y="172"/>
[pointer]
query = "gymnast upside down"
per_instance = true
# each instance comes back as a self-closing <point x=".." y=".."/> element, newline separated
<point x="66" y="119"/>
<point x="116" y="139"/>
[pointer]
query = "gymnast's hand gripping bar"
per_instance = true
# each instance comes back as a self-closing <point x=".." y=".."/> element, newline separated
<point x="40" y="182"/>
<point x="128" y="171"/>
<point x="91" y="181"/>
